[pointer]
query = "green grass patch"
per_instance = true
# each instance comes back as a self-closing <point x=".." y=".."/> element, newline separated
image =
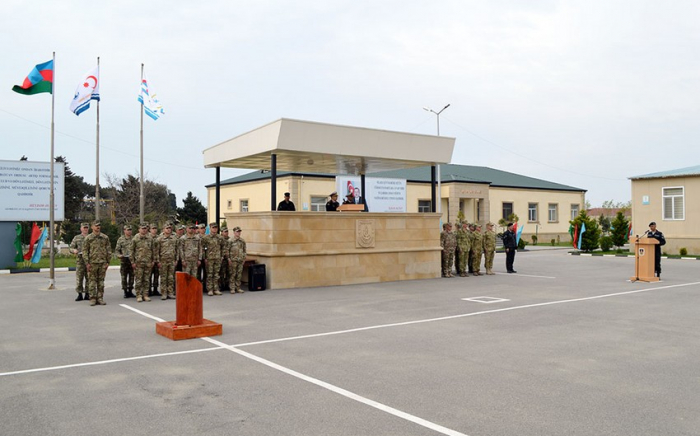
<point x="59" y="262"/>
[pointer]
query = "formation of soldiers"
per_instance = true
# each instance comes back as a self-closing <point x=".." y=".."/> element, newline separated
<point x="465" y="246"/>
<point x="149" y="260"/>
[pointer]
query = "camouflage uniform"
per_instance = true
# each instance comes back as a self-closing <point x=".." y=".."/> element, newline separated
<point x="472" y="230"/>
<point x="202" y="267"/>
<point x="477" y="249"/>
<point x="463" y="247"/>
<point x="489" y="249"/>
<point x="80" y="267"/>
<point x="236" y="254"/>
<point x="153" y="277"/>
<point x="448" y="242"/>
<point x="211" y="252"/>
<point x="142" y="250"/>
<point x="97" y="252"/>
<point x="189" y="253"/>
<point x="166" y="256"/>
<point x="126" y="269"/>
<point x="225" y="273"/>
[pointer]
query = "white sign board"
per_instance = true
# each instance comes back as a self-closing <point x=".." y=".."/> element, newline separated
<point x="25" y="190"/>
<point x="383" y="195"/>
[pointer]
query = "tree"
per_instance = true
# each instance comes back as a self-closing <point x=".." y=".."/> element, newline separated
<point x="604" y="222"/>
<point x="620" y="230"/>
<point x="159" y="202"/>
<point x="192" y="211"/>
<point x="76" y="191"/>
<point x="590" y="238"/>
<point x="611" y="204"/>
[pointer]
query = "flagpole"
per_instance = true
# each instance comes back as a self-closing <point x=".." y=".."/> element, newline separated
<point x="97" y="153"/>
<point x="141" y="202"/>
<point x="51" y="195"/>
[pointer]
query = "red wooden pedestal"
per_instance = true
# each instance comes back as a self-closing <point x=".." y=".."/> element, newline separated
<point x="189" y="322"/>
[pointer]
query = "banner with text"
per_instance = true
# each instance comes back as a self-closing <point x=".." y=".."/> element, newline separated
<point x="383" y="195"/>
<point x="25" y="190"/>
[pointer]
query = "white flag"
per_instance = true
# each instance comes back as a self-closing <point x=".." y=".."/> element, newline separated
<point x="149" y="100"/>
<point x="88" y="90"/>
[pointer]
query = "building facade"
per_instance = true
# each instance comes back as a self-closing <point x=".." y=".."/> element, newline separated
<point x="482" y="194"/>
<point x="672" y="200"/>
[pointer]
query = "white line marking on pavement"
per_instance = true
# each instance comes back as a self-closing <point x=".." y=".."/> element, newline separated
<point x="147" y="315"/>
<point x="103" y="362"/>
<point x="463" y="315"/>
<point x="524" y="275"/>
<point x="340" y="391"/>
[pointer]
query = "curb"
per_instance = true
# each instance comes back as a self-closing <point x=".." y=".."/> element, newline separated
<point x="36" y="270"/>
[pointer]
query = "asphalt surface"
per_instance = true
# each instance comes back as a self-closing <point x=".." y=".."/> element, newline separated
<point x="567" y="347"/>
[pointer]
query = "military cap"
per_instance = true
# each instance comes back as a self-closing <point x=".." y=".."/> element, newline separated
<point x="144" y="226"/>
<point x="333" y="193"/>
<point x="490" y="224"/>
<point x="127" y="227"/>
<point x="167" y="225"/>
<point x="653" y="223"/>
<point x="237" y="229"/>
<point x="213" y="225"/>
<point x="192" y="226"/>
<point x="96" y="223"/>
<point x="181" y="227"/>
<point x="202" y="226"/>
<point x="287" y="194"/>
<point x="85" y="225"/>
<point x="224" y="229"/>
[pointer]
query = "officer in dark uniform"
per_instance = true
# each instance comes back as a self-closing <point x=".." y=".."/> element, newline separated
<point x="653" y="233"/>
<point x="332" y="204"/>
<point x="286" y="204"/>
<point x="510" y="244"/>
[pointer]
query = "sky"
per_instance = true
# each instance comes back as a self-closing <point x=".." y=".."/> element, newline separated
<point x="585" y="94"/>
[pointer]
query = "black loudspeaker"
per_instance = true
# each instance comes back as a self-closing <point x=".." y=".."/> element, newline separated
<point x="256" y="277"/>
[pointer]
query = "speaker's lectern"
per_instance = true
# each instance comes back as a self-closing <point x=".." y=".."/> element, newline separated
<point x="644" y="254"/>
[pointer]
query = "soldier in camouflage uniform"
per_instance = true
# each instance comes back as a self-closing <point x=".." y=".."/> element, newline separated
<point x="477" y="249"/>
<point x="489" y="248"/>
<point x="179" y="233"/>
<point x="236" y="256"/>
<point x="202" y="268"/>
<point x="211" y="252"/>
<point x="189" y="251"/>
<point x="142" y="250"/>
<point x="463" y="247"/>
<point x="448" y="242"/>
<point x="126" y="269"/>
<point x="76" y="247"/>
<point x="166" y="257"/>
<point x="97" y="252"/>
<point x="155" y="272"/>
<point x="225" y="273"/>
<point x="472" y="230"/>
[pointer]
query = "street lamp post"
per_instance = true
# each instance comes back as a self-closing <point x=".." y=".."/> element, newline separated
<point x="439" y="201"/>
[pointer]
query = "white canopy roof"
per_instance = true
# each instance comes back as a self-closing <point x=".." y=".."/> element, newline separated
<point x="304" y="146"/>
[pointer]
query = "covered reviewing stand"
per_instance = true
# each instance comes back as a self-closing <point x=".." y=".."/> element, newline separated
<point x="322" y="249"/>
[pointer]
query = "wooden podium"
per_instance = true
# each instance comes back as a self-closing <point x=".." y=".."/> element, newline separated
<point x="351" y="207"/>
<point x="190" y="322"/>
<point x="644" y="259"/>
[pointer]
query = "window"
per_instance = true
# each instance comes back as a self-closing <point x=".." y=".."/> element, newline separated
<point x="532" y="212"/>
<point x="424" y="206"/>
<point x="229" y="204"/>
<point x="553" y="213"/>
<point x="244" y="205"/>
<point x="673" y="203"/>
<point x="318" y="204"/>
<point x="574" y="211"/>
<point x="507" y="210"/>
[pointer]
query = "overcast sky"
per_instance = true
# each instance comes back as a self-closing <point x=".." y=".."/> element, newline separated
<point x="583" y="93"/>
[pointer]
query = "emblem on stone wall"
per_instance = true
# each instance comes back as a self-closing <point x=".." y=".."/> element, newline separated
<point x="364" y="233"/>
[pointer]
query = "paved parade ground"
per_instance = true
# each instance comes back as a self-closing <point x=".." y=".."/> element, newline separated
<point x="568" y="346"/>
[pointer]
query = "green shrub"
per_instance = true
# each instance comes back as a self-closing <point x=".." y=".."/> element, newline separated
<point x="606" y="243"/>
<point x="534" y="239"/>
<point x="553" y="242"/>
<point x="684" y="251"/>
<point x="522" y="243"/>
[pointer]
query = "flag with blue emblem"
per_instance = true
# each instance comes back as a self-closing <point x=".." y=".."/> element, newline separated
<point x="149" y="100"/>
<point x="86" y="91"/>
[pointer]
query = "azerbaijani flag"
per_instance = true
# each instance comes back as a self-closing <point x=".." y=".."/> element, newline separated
<point x="39" y="245"/>
<point x="580" y="236"/>
<point x="39" y="80"/>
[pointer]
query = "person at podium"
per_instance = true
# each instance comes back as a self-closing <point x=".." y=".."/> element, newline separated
<point x="653" y="233"/>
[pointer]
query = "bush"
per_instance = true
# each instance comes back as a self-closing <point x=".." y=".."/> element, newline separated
<point x="553" y="242"/>
<point x="684" y="251"/>
<point x="521" y="244"/>
<point x="534" y="239"/>
<point x="606" y="243"/>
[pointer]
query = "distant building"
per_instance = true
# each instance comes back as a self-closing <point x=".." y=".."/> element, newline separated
<point x="672" y="200"/>
<point x="482" y="194"/>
